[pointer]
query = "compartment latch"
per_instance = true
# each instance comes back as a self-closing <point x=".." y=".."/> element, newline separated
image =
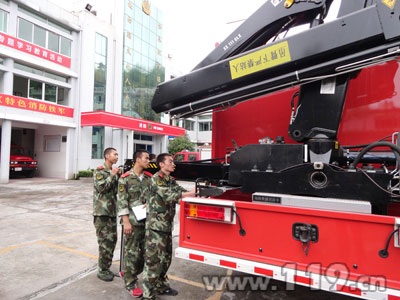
<point x="305" y="233"/>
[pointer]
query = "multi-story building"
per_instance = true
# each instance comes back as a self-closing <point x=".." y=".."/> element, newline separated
<point x="198" y="129"/>
<point x="72" y="84"/>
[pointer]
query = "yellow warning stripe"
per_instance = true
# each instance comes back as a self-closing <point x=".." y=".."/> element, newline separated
<point x="6" y="249"/>
<point x="68" y="249"/>
<point x="151" y="166"/>
<point x="189" y="282"/>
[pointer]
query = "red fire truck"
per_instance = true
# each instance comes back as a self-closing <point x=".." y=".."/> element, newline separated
<point x="304" y="181"/>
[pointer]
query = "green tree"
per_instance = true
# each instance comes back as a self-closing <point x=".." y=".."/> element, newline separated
<point x="180" y="143"/>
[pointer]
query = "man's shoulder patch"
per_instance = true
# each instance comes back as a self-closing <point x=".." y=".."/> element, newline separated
<point x="159" y="181"/>
<point x="100" y="168"/>
<point x="125" y="174"/>
<point x="99" y="176"/>
<point x="121" y="188"/>
<point x="147" y="173"/>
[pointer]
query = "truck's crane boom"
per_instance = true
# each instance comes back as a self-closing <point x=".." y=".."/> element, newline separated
<point x="244" y="67"/>
<point x="321" y="61"/>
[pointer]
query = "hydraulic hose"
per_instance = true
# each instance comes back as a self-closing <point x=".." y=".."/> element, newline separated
<point x="395" y="149"/>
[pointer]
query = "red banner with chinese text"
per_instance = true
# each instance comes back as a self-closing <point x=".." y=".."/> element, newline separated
<point x="34" y="105"/>
<point x="32" y="49"/>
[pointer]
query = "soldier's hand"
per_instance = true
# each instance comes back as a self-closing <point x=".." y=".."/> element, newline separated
<point x="114" y="171"/>
<point x="192" y="193"/>
<point x="127" y="228"/>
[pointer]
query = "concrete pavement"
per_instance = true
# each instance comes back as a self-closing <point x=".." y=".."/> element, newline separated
<point x="48" y="250"/>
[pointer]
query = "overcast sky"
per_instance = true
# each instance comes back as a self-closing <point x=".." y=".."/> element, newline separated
<point x="191" y="27"/>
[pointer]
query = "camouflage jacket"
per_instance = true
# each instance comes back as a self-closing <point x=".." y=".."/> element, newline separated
<point x="132" y="192"/>
<point x="165" y="194"/>
<point x="105" y="192"/>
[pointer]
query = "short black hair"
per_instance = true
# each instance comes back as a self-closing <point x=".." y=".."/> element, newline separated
<point x="107" y="151"/>
<point x="161" y="158"/>
<point x="152" y="156"/>
<point x="138" y="154"/>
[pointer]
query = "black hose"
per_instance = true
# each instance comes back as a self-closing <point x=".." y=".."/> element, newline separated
<point x="364" y="145"/>
<point x="395" y="149"/>
<point x="384" y="252"/>
<point x="242" y="232"/>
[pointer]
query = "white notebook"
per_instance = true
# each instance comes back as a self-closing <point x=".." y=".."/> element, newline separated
<point x="139" y="212"/>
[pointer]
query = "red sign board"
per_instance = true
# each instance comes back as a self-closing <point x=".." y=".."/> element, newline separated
<point x="32" y="49"/>
<point x="102" y="118"/>
<point x="39" y="106"/>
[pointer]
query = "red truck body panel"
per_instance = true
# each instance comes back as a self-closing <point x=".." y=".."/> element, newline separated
<point x="349" y="240"/>
<point x="371" y="111"/>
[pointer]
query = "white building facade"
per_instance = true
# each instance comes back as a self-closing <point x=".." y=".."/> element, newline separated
<point x="198" y="129"/>
<point x="67" y="91"/>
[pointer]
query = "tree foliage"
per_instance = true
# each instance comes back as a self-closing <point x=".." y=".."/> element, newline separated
<point x="180" y="143"/>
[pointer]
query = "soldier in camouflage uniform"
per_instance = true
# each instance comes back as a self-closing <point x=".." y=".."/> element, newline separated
<point x="134" y="190"/>
<point x="104" y="212"/>
<point x="165" y="194"/>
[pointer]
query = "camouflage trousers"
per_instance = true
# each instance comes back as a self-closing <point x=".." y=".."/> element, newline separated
<point x="106" y="232"/>
<point x="133" y="256"/>
<point x="158" y="258"/>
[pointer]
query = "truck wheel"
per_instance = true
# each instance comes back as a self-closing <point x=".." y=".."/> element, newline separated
<point x="30" y="174"/>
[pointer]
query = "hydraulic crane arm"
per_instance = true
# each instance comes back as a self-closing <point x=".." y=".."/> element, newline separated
<point x="366" y="34"/>
<point x="263" y="25"/>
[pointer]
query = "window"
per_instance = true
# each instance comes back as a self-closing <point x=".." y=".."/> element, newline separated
<point x="142" y="137"/>
<point x="142" y="70"/>
<point x="65" y="47"/>
<point x="205" y="126"/>
<point x="53" y="42"/>
<point x="52" y="143"/>
<point x="30" y="88"/>
<point x="192" y="157"/>
<point x="43" y="19"/>
<point x="35" y="89"/>
<point x="42" y="37"/>
<point x="97" y="142"/>
<point x="100" y="73"/>
<point x="62" y="96"/>
<point x="189" y="125"/>
<point x="148" y="148"/>
<point x="179" y="157"/>
<point x="205" y="117"/>
<point x="39" y="36"/>
<point x="20" y="87"/>
<point x="3" y="21"/>
<point x="25" y="30"/>
<point x="50" y="93"/>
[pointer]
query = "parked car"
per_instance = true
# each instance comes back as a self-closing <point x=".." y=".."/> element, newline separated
<point x="20" y="163"/>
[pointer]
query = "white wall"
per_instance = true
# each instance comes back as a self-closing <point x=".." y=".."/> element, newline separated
<point x="85" y="160"/>
<point x="112" y="137"/>
<point x="50" y="164"/>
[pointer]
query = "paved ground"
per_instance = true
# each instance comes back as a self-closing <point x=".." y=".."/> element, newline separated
<point x="48" y="250"/>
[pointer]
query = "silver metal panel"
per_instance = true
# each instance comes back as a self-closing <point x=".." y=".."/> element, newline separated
<point x="334" y="204"/>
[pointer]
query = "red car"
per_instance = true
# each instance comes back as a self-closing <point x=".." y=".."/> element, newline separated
<point x="20" y="163"/>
